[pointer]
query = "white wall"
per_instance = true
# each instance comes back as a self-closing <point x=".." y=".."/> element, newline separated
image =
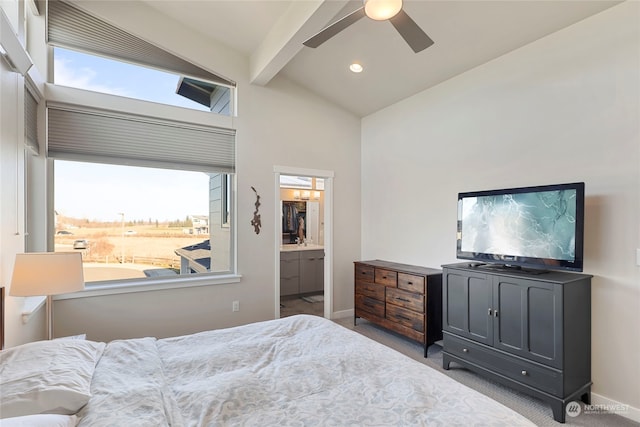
<point x="12" y="226"/>
<point x="280" y="124"/>
<point x="562" y="109"/>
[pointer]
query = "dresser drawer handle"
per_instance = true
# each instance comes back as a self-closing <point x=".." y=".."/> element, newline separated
<point x="410" y="283"/>
<point x="400" y="316"/>
<point x="525" y="373"/>
<point x="465" y="350"/>
<point x="403" y="299"/>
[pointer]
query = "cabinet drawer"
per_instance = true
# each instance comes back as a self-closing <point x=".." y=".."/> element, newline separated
<point x="411" y="283"/>
<point x="364" y="273"/>
<point x="370" y="305"/>
<point x="405" y="299"/>
<point x="532" y="374"/>
<point x="289" y="256"/>
<point x="370" y="290"/>
<point x="386" y="277"/>
<point x="405" y="317"/>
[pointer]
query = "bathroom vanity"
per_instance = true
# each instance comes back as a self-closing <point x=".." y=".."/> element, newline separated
<point x="301" y="269"/>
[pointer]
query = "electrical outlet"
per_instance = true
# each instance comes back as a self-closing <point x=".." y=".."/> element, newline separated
<point x="235" y="306"/>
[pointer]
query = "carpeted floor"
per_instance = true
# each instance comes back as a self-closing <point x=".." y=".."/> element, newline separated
<point x="532" y="408"/>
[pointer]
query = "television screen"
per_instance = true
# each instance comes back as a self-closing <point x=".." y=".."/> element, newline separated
<point x="538" y="227"/>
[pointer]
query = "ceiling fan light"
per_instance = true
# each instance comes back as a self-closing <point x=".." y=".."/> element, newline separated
<point x="381" y="10"/>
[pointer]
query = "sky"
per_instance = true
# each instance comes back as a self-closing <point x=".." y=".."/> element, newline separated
<point x="101" y="192"/>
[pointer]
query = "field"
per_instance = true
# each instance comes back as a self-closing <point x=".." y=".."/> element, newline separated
<point x="140" y="246"/>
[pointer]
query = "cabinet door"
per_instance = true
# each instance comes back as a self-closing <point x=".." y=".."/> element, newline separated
<point x="528" y="318"/>
<point x="311" y="271"/>
<point x="289" y="273"/>
<point x="466" y="304"/>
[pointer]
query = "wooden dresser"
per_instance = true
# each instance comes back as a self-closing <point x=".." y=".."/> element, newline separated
<point x="406" y="299"/>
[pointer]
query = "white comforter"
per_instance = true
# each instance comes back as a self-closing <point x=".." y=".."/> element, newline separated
<point x="296" y="371"/>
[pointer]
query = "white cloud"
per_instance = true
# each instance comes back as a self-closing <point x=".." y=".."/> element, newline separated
<point x="82" y="78"/>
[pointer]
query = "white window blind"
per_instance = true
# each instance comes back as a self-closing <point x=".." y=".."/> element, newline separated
<point x="105" y="136"/>
<point x="70" y="27"/>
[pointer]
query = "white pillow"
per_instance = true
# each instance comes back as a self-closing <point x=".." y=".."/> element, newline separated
<point x="51" y="377"/>
<point x="40" y="420"/>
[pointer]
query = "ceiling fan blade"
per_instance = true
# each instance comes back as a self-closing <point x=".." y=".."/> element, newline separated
<point x="417" y="39"/>
<point x="334" y="28"/>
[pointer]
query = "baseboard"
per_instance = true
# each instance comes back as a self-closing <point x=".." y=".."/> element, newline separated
<point x="604" y="404"/>
<point x="342" y="314"/>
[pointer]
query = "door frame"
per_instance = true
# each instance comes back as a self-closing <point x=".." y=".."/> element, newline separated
<point x="328" y="232"/>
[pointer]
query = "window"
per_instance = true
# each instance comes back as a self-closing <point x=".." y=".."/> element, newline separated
<point x="91" y="72"/>
<point x="138" y="222"/>
<point x="133" y="69"/>
<point x="141" y="196"/>
<point x="288" y="181"/>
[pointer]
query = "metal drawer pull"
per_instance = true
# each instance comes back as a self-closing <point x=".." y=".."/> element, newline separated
<point x="399" y="316"/>
<point x="403" y="299"/>
<point x="465" y="350"/>
<point x="525" y="373"/>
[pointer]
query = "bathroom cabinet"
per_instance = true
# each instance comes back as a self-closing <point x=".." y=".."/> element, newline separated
<point x="301" y="271"/>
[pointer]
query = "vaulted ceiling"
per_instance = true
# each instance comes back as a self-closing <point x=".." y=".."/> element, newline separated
<point x="466" y="34"/>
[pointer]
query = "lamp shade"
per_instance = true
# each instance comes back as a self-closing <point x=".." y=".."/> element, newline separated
<point x="47" y="273"/>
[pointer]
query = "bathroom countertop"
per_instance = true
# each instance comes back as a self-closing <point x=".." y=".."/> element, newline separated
<point x="302" y="247"/>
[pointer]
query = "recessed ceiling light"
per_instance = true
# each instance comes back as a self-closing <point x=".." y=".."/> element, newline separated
<point x="355" y="67"/>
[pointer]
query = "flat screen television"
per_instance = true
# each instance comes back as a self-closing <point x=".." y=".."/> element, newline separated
<point x="540" y="228"/>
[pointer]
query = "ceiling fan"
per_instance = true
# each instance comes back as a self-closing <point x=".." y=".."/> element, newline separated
<point x="378" y="10"/>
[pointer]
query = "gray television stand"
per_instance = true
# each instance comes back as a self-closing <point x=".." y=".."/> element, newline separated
<point x="531" y="332"/>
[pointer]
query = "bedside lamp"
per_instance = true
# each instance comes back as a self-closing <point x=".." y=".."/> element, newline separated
<point x="47" y="273"/>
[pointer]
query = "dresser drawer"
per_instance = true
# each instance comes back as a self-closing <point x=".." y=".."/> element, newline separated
<point x="370" y="290"/>
<point x="370" y="305"/>
<point x="364" y="273"/>
<point x="532" y="374"/>
<point x="411" y="283"/>
<point x="405" y="317"/>
<point x="405" y="299"/>
<point x="386" y="277"/>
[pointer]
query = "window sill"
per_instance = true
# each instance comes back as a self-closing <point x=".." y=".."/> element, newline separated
<point x="120" y="287"/>
<point x="31" y="305"/>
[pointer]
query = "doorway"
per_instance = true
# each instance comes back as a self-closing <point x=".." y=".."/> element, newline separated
<point x="304" y="215"/>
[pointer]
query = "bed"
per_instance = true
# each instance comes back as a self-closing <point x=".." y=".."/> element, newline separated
<point x="299" y="370"/>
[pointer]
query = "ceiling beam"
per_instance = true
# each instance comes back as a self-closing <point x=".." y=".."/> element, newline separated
<point x="301" y="20"/>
